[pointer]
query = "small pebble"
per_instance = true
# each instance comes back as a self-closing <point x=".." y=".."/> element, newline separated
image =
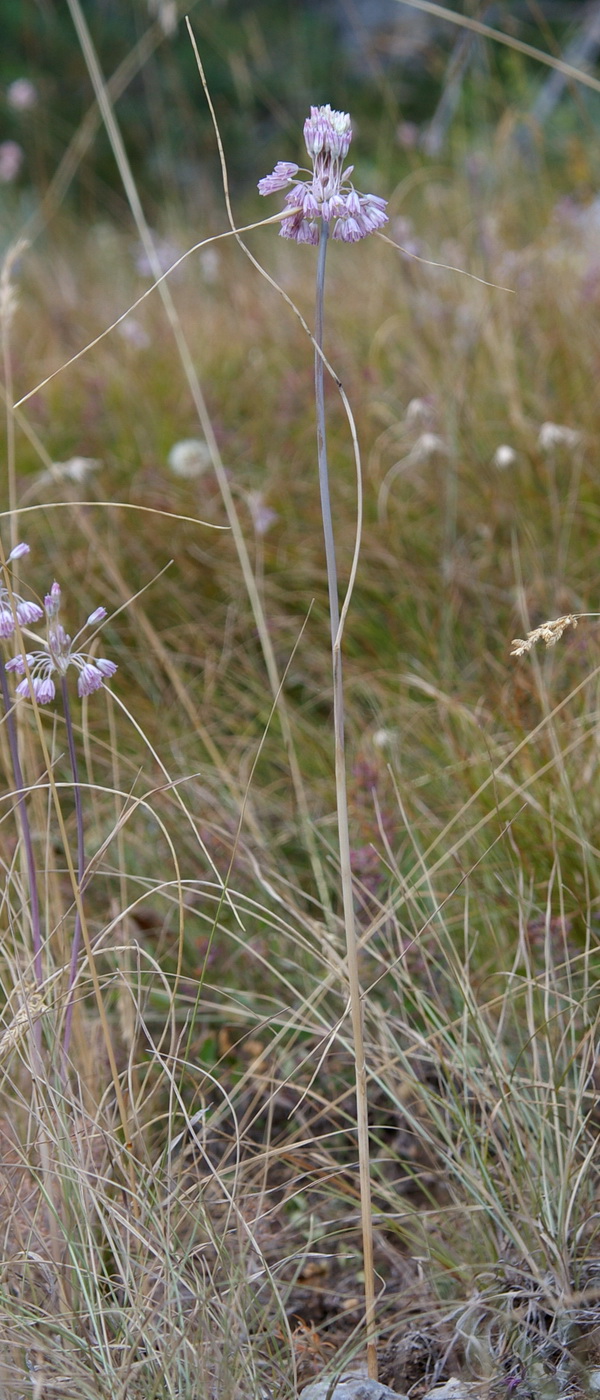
<point x="452" y="1389"/>
<point x="349" y="1388"/>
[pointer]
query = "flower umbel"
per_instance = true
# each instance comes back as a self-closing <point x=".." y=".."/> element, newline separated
<point x="327" y="194"/>
<point x="59" y="653"/>
<point x="549" y="632"/>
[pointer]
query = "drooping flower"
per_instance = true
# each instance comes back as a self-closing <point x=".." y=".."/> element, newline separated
<point x="15" y="609"/>
<point x="58" y="654"/>
<point x="327" y="194"/>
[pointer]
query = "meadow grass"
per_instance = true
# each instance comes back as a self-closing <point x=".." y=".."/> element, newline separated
<point x="180" y="1216"/>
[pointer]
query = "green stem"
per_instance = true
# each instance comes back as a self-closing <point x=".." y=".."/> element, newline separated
<point x="362" y="1116"/>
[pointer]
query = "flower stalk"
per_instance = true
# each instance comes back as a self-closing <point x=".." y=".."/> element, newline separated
<point x="356" y="1007"/>
<point x="323" y="204"/>
<point x="34" y="902"/>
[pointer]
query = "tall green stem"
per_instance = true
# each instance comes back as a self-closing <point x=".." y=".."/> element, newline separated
<point x="362" y="1116"/>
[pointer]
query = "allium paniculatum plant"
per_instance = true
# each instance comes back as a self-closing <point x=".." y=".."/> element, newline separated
<point x="327" y="203"/>
<point x="56" y="655"/>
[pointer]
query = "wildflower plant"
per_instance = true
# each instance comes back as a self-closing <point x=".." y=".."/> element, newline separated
<point x="321" y="205"/>
<point x="57" y="653"/>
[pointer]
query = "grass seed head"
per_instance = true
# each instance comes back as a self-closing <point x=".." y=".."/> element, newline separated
<point x="549" y="632"/>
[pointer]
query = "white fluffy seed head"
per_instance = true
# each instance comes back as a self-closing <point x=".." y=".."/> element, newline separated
<point x="189" y="459"/>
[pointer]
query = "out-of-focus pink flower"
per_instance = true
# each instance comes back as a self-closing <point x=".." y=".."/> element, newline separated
<point x="263" y="517"/>
<point x="166" y="252"/>
<point x="133" y="331"/>
<point x="11" y="159"/>
<point x="21" y="95"/>
<point x="210" y="264"/>
<point x="407" y="135"/>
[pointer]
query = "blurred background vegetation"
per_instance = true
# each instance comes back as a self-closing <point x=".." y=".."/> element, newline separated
<point x="413" y="82"/>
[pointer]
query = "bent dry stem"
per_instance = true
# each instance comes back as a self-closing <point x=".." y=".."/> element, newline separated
<point x="362" y="1117"/>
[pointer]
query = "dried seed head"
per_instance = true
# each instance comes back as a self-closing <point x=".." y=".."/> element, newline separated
<point x="8" y="297"/>
<point x="504" y="457"/>
<point x="549" y="632"/>
<point x="555" y="435"/>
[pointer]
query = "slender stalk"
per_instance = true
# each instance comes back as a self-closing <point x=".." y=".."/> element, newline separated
<point x="80" y="863"/>
<point x="34" y="903"/>
<point x="362" y="1116"/>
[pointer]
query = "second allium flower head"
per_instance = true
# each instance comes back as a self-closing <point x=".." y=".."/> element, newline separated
<point x="59" y="653"/>
<point x="327" y="194"/>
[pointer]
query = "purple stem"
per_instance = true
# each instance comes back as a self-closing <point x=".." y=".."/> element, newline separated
<point x="36" y="931"/>
<point x="334" y="606"/>
<point x="362" y="1115"/>
<point x="80" y="864"/>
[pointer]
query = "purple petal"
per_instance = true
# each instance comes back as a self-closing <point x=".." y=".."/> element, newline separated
<point x="28" y="612"/>
<point x="16" y="663"/>
<point x="97" y="616"/>
<point x="372" y="213"/>
<point x="300" y="229"/>
<point x="304" y="194"/>
<point x="90" y="679"/>
<point x="44" y="690"/>
<point x="18" y="552"/>
<point x="107" y="668"/>
<point x="348" y="230"/>
<point x="282" y="174"/>
<point x="52" y="600"/>
<point x="7" y="622"/>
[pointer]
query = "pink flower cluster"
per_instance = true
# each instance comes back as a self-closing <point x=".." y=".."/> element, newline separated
<point x="327" y="193"/>
<point x="59" y="653"/>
